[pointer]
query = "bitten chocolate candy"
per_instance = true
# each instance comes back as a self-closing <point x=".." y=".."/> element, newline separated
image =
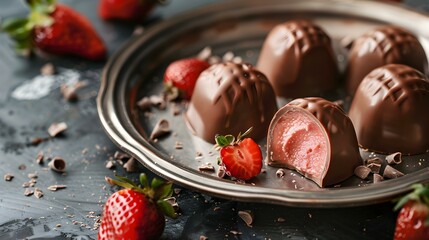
<point x="229" y="98"/>
<point x="390" y="110"/>
<point x="298" y="60"/>
<point x="383" y="46"/>
<point x="314" y="137"/>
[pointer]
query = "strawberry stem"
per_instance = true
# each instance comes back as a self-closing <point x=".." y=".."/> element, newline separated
<point x="419" y="194"/>
<point x="223" y="141"/>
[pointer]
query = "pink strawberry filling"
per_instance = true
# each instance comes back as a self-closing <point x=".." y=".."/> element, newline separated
<point x="300" y="143"/>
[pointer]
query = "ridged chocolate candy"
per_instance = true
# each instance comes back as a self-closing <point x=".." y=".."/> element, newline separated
<point x="314" y="137"/>
<point x="230" y="98"/>
<point x="298" y="59"/>
<point x="384" y="45"/>
<point x="390" y="110"/>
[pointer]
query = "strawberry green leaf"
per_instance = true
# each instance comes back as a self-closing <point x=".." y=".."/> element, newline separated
<point x="156" y="183"/>
<point x="125" y="180"/>
<point x="221" y="141"/>
<point x="164" y="191"/>
<point x="166" y="208"/>
<point x="120" y="183"/>
<point x="143" y="180"/>
<point x="420" y="193"/>
<point x="11" y="25"/>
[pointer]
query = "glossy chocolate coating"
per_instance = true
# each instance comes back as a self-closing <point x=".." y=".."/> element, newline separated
<point x="229" y="98"/>
<point x="390" y="110"/>
<point x="298" y="59"/>
<point x="384" y="45"/>
<point x="343" y="151"/>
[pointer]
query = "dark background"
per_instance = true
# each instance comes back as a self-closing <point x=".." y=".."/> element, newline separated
<point x="72" y="212"/>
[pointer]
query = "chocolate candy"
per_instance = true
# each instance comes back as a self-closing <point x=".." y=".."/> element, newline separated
<point x="229" y="98"/>
<point x="383" y="46"/>
<point x="314" y="137"/>
<point x="298" y="59"/>
<point x="390" y="110"/>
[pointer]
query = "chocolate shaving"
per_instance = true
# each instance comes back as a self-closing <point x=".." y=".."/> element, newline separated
<point x="57" y="128"/>
<point x="8" y="177"/>
<point x="28" y="192"/>
<point x="110" y="164"/>
<point x="22" y="167"/>
<point x="48" y="69"/>
<point x="32" y="175"/>
<point x="202" y="237"/>
<point x="394" y="158"/>
<point x="69" y="92"/>
<point x="161" y="128"/>
<point x="375" y="167"/>
<point x="390" y="172"/>
<point x="131" y="165"/>
<point x="144" y="104"/>
<point x="206" y="167"/>
<point x="56" y="187"/>
<point x="121" y="155"/>
<point x="280" y="219"/>
<point x="280" y="173"/>
<point x="221" y="171"/>
<point x="246" y="216"/>
<point x="177" y="191"/>
<point x="178" y="145"/>
<point x="39" y="158"/>
<point x="57" y="164"/>
<point x="26" y="184"/>
<point x="235" y="232"/>
<point x="38" y="193"/>
<point x="158" y="101"/>
<point x="377" y="178"/>
<point x="375" y="160"/>
<point x="36" y="141"/>
<point x="362" y="172"/>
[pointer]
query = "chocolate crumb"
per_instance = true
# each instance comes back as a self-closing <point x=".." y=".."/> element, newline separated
<point x="8" y="177"/>
<point x="206" y="167"/>
<point x="394" y="158"/>
<point x="28" y="192"/>
<point x="22" y="167"/>
<point x="216" y="209"/>
<point x="48" y="69"/>
<point x="246" y="216"/>
<point x="161" y="128"/>
<point x="40" y="157"/>
<point x="131" y="165"/>
<point x="178" y="145"/>
<point x="26" y="185"/>
<point x="202" y="237"/>
<point x="38" y="193"/>
<point x="280" y="173"/>
<point x="177" y="191"/>
<point x="158" y="101"/>
<point x="56" y="187"/>
<point x="375" y="167"/>
<point x="235" y="232"/>
<point x="110" y="164"/>
<point x="57" y="164"/>
<point x="144" y="104"/>
<point x="69" y="92"/>
<point x="390" y="172"/>
<point x="57" y="128"/>
<point x="36" y="141"/>
<point x="58" y="225"/>
<point x="362" y="171"/>
<point x="377" y="178"/>
<point x="280" y="219"/>
<point x="32" y="175"/>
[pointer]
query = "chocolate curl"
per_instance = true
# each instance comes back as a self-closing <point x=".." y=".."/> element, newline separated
<point x="375" y="160"/>
<point x="280" y="173"/>
<point x="362" y="171"/>
<point x="390" y="172"/>
<point x="246" y="216"/>
<point x="161" y="128"/>
<point x="394" y="158"/>
<point x="375" y="167"/>
<point x="57" y="164"/>
<point x="377" y="178"/>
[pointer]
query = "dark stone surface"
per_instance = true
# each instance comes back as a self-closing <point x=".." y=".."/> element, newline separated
<point x="86" y="148"/>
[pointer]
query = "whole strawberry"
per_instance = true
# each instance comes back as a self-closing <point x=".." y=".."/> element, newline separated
<point x="181" y="76"/>
<point x="126" y="10"/>
<point x="241" y="157"/>
<point x="413" y="219"/>
<point x="136" y="212"/>
<point x="56" y="29"/>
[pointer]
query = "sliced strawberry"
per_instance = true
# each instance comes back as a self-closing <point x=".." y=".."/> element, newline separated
<point x="242" y="158"/>
<point x="56" y="29"/>
<point x="126" y="10"/>
<point x="136" y="212"/>
<point x="413" y="219"/>
<point x="181" y="76"/>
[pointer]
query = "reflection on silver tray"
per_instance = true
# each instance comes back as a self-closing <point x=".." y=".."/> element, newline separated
<point x="239" y="26"/>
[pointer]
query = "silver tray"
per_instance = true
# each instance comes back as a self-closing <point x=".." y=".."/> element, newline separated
<point x="239" y="26"/>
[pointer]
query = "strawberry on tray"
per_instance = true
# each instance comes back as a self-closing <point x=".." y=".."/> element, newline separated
<point x="56" y="29"/>
<point x="126" y="10"/>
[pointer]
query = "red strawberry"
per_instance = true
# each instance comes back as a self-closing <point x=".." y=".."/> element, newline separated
<point x="413" y="219"/>
<point x="136" y="212"/>
<point x="242" y="158"/>
<point x="56" y="29"/>
<point x="127" y="10"/>
<point x="181" y="76"/>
